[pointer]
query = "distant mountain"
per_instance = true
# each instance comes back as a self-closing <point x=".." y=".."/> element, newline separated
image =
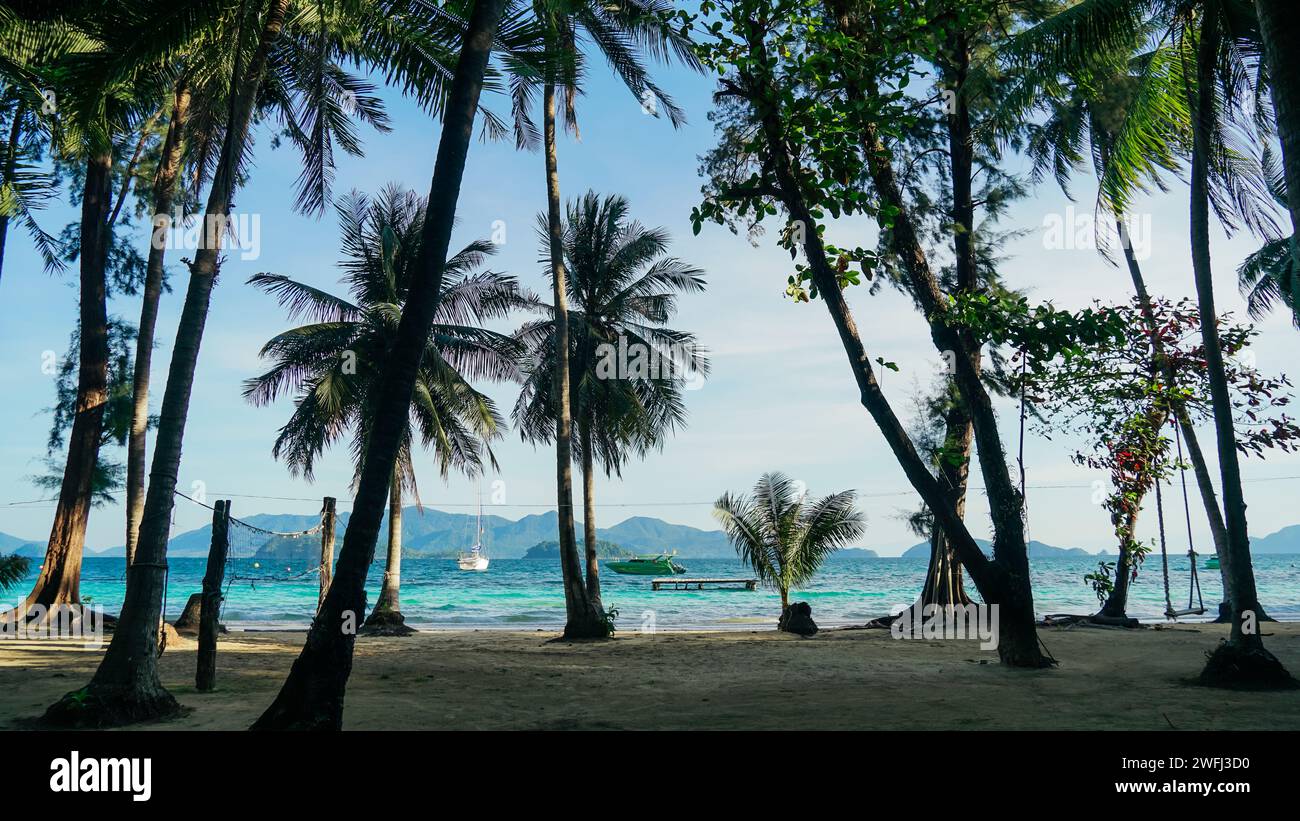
<point x="1037" y="550"/>
<point x="854" y="553"/>
<point x="646" y="534"/>
<point x="432" y="532"/>
<point x="551" y="550"/>
<point x="20" y="546"/>
<point x="1286" y="540"/>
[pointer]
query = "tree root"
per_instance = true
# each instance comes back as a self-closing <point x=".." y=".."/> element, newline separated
<point x="385" y="622"/>
<point x="1234" y="667"/>
<point x="99" y="708"/>
<point x="1090" y="620"/>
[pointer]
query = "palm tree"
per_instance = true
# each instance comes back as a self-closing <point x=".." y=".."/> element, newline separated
<point x="1217" y="53"/>
<point x="13" y="569"/>
<point x="312" y="695"/>
<point x="126" y="686"/>
<point x="1128" y="118"/>
<point x="94" y="113"/>
<point x="331" y="364"/>
<point x="785" y="536"/>
<point x="24" y="186"/>
<point x="623" y="288"/>
<point x="1272" y="274"/>
<point x="1279" y="28"/>
<point x="622" y="33"/>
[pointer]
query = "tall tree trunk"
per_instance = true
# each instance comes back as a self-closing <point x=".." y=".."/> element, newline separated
<point x="126" y="687"/>
<point x="10" y="163"/>
<point x="1243" y="657"/>
<point x="1005" y="580"/>
<point x="589" y="513"/>
<point x="312" y="695"/>
<point x="943" y="577"/>
<point x="386" y="618"/>
<point x="1279" y="25"/>
<point x="164" y="190"/>
<point x="59" y="582"/>
<point x="582" y="620"/>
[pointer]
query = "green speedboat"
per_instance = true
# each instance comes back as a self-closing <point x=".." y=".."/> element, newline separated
<point x="658" y="565"/>
<point x="1212" y="563"/>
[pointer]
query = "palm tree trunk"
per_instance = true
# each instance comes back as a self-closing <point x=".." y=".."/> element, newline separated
<point x="10" y="163"/>
<point x="582" y="620"/>
<point x="589" y="513"/>
<point x="1279" y="25"/>
<point x="312" y="695"/>
<point x="386" y="618"/>
<point x="164" y="191"/>
<point x="1243" y="657"/>
<point x="59" y="582"/>
<point x="126" y="687"/>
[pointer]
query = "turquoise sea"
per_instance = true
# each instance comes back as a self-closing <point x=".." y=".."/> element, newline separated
<point x="526" y="594"/>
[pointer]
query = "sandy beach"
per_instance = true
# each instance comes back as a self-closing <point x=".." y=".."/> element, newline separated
<point x="848" y="679"/>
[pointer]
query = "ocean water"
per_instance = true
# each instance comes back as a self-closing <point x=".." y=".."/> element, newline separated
<point x="526" y="594"/>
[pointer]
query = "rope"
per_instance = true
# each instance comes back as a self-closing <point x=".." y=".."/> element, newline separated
<point x="1187" y="512"/>
<point x="1020" y="459"/>
<point x="1164" y="550"/>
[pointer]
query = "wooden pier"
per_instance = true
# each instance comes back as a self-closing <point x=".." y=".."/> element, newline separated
<point x="675" y="583"/>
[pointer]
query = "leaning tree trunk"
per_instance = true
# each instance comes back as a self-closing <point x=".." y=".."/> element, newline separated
<point x="312" y="695"/>
<point x="164" y="191"/>
<point x="126" y="687"/>
<point x="582" y="619"/>
<point x="1242" y="659"/>
<point x="589" y="513"/>
<point x="386" y="618"/>
<point x="59" y="582"/>
<point x="1003" y="581"/>
<point x="1279" y="25"/>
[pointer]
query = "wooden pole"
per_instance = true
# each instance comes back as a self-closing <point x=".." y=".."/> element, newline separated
<point x="206" y="677"/>
<point x="326" y="549"/>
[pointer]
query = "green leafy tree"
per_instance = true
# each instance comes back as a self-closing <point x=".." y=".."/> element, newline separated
<point x="821" y="88"/>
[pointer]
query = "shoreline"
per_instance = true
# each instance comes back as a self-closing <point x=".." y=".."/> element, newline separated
<point x="734" y="679"/>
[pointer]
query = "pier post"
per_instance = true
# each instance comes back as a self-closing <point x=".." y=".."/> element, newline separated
<point x="206" y="676"/>
<point x="326" y="549"/>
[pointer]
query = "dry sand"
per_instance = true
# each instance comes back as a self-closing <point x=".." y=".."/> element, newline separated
<point x="855" y="679"/>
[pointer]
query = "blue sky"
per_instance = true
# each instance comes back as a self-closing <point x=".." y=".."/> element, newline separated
<point x="781" y="395"/>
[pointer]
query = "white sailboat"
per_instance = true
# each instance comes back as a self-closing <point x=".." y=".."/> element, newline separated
<point x="474" y="559"/>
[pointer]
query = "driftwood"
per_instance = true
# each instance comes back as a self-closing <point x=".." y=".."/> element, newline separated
<point x="1090" y="620"/>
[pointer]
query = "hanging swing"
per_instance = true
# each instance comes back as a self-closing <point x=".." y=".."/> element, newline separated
<point x="1194" y="590"/>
